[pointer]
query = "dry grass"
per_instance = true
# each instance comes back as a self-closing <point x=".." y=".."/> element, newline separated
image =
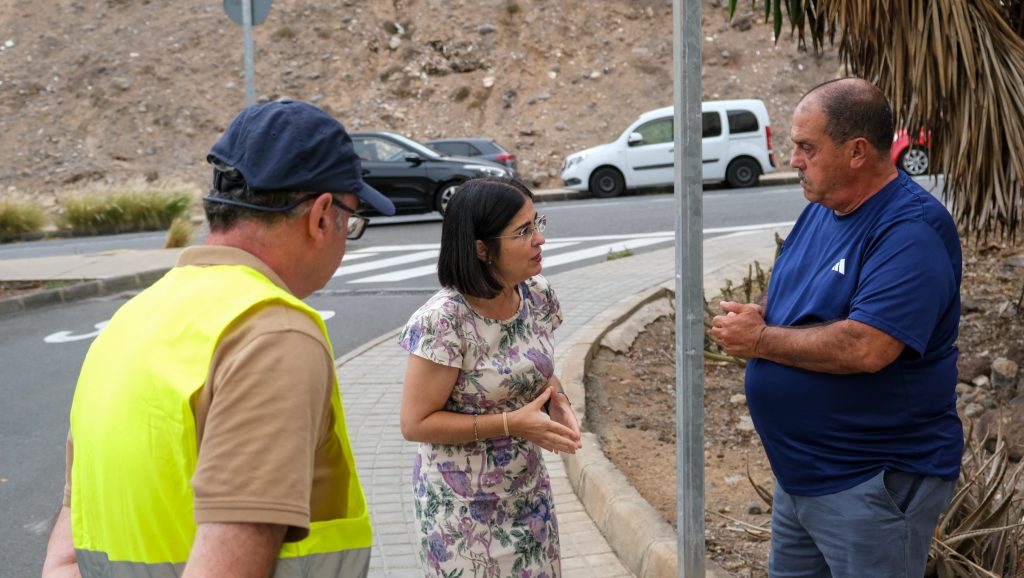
<point x="138" y="206"/>
<point x="180" y="233"/>
<point x="19" y="217"/>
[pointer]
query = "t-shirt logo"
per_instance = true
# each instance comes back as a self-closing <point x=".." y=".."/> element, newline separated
<point x="840" y="267"/>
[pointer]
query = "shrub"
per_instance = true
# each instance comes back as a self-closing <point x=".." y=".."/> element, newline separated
<point x="179" y="234"/>
<point x="981" y="532"/>
<point x="142" y="208"/>
<point x="750" y="290"/>
<point x="19" y="218"/>
<point x="284" y="33"/>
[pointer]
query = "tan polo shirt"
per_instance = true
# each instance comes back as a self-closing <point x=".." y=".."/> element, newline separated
<point x="263" y="418"/>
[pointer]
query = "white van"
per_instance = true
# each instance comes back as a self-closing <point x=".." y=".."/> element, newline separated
<point x="737" y="149"/>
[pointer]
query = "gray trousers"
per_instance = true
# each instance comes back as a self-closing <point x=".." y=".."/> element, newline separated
<point x="881" y="528"/>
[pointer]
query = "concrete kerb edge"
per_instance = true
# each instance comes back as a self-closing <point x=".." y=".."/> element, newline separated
<point x="82" y="290"/>
<point x="642" y="539"/>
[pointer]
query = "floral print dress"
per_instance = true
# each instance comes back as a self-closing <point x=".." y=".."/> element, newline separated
<point x="484" y="509"/>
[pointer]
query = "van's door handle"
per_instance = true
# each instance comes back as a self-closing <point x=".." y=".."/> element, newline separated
<point x="672" y="150"/>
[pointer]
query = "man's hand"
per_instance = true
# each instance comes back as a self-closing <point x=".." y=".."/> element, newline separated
<point x="738" y="332"/>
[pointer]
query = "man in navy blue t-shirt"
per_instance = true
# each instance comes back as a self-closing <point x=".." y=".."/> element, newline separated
<point x="852" y="373"/>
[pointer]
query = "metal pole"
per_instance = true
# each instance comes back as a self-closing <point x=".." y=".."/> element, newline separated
<point x="250" y="90"/>
<point x="689" y="284"/>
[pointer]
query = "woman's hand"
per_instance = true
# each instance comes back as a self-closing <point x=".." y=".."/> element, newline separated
<point x="561" y="410"/>
<point x="532" y="423"/>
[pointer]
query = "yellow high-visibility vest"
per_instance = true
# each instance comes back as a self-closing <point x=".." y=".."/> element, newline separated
<point x="135" y="434"/>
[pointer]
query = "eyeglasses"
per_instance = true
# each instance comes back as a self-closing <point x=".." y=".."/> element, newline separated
<point x="539" y="224"/>
<point x="356" y="223"/>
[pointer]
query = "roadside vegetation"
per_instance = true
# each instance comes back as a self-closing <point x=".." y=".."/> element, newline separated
<point x="131" y="208"/>
<point x="180" y="233"/>
<point x="134" y="207"/>
<point x="19" y="218"/>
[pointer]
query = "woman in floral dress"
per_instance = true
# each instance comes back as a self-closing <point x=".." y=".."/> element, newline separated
<point x="481" y="396"/>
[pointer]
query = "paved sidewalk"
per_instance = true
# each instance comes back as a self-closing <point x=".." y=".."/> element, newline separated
<point x="371" y="382"/>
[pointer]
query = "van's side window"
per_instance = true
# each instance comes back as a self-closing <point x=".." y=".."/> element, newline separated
<point x="742" y="121"/>
<point x="712" y="122"/>
<point x="656" y="132"/>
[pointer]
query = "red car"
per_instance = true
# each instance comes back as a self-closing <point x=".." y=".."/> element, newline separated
<point x="912" y="157"/>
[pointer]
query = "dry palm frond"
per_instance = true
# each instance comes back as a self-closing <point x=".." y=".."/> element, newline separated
<point x="951" y="67"/>
<point x="752" y="530"/>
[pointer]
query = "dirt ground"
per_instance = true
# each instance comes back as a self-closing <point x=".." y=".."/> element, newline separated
<point x="111" y="91"/>
<point x="631" y="406"/>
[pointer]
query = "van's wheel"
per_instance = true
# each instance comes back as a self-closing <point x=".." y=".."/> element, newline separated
<point x="444" y="195"/>
<point x="742" y="173"/>
<point x="607" y="182"/>
<point x="914" y="161"/>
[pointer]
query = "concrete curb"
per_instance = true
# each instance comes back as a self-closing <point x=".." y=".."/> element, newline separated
<point x="76" y="291"/>
<point x="642" y="539"/>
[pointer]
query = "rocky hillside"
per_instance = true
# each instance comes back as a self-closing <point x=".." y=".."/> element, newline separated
<point x="109" y="90"/>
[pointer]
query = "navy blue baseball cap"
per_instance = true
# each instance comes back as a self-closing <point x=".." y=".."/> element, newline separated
<point x="289" y="145"/>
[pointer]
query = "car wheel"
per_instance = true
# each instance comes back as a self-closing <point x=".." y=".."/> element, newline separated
<point x="914" y="161"/>
<point x="742" y="173"/>
<point x="444" y="195"/>
<point x="607" y="182"/>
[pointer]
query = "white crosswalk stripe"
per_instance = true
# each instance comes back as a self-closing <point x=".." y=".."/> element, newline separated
<point x="431" y="269"/>
<point x="420" y="260"/>
<point x="385" y="263"/>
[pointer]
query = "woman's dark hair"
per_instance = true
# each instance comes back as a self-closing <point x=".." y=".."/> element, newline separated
<point x="479" y="209"/>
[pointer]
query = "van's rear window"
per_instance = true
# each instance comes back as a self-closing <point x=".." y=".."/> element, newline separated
<point x="742" y="121"/>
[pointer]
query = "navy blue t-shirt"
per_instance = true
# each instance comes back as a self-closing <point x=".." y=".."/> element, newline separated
<point x="893" y="264"/>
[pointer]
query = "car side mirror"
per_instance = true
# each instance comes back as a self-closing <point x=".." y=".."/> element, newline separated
<point x="413" y="158"/>
<point x="634" y="139"/>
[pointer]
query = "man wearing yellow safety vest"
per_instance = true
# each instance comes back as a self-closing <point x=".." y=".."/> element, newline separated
<point x="207" y="433"/>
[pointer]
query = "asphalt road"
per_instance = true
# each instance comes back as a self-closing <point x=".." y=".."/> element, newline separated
<point x="384" y="278"/>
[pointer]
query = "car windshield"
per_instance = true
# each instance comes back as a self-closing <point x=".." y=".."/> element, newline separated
<point x="415" y="146"/>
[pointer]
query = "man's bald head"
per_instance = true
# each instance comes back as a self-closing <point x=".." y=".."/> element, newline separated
<point x="853" y="108"/>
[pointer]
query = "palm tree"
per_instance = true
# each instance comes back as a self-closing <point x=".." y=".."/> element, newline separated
<point x="952" y="67"/>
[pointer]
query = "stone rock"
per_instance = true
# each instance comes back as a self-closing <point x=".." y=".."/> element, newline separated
<point x="394" y="43"/>
<point x="971" y="366"/>
<point x="969" y="304"/>
<point x="1004" y="374"/>
<point x="743" y="22"/>
<point x="538" y="179"/>
<point x="755" y="509"/>
<point x="745" y="423"/>
<point x="974" y="410"/>
<point x="488" y="81"/>
<point x="560" y="126"/>
<point x="121" y="83"/>
<point x="1010" y="419"/>
<point x="1014" y="261"/>
<point x="486" y="28"/>
<point x="738" y="399"/>
<point x="981" y="381"/>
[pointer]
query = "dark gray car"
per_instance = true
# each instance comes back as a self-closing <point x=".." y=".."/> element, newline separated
<point x="476" y="147"/>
